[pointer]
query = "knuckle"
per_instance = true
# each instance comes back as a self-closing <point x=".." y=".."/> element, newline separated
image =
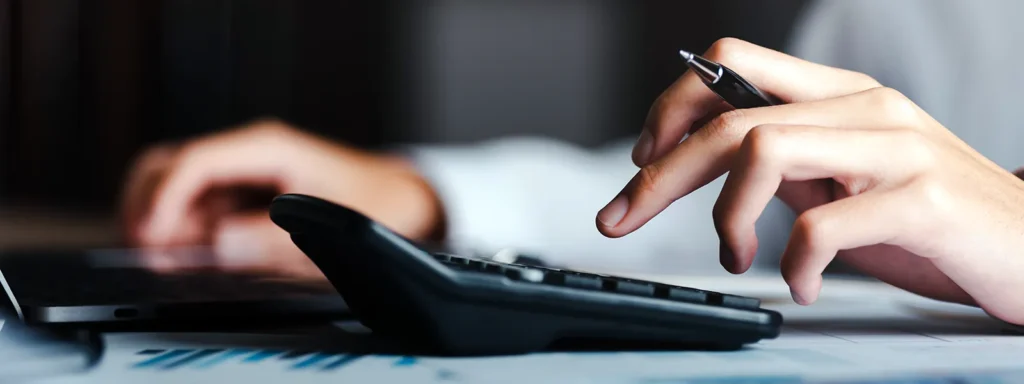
<point x="762" y="143"/>
<point x="934" y="197"/>
<point x="730" y="125"/>
<point x="190" y="154"/>
<point x="271" y="133"/>
<point x="866" y="81"/>
<point x="894" y="105"/>
<point x="270" y="127"/>
<point x="810" y="230"/>
<point x="726" y="49"/>
<point x="650" y="179"/>
<point x="916" y="149"/>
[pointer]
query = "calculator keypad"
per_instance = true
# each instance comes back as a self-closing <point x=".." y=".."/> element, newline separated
<point x="595" y="282"/>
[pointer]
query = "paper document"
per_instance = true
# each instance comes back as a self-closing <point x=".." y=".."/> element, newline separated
<point x="889" y="338"/>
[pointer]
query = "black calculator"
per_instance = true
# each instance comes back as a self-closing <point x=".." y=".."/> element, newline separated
<point x="453" y="305"/>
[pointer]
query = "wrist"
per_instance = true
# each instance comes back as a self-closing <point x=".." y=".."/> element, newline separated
<point x="425" y="216"/>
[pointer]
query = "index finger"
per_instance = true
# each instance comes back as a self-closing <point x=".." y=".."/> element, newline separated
<point x="709" y="153"/>
<point x="688" y="100"/>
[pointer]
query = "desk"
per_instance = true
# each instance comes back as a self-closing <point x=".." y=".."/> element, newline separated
<point x="843" y="336"/>
<point x="839" y="338"/>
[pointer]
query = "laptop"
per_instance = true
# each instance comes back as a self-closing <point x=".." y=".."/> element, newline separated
<point x="115" y="287"/>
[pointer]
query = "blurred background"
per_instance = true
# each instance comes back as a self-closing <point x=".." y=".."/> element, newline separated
<point x="86" y="85"/>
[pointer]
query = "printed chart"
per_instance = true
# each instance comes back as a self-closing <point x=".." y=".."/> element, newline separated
<point x="520" y="368"/>
<point x="170" y="359"/>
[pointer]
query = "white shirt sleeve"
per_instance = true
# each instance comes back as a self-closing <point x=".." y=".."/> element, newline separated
<point x="875" y="37"/>
<point x="542" y="196"/>
<point x="945" y="55"/>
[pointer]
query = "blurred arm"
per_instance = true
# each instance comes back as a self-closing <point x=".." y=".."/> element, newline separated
<point x="912" y="46"/>
<point x="542" y="196"/>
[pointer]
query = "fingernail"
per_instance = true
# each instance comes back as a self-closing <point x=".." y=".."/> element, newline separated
<point x="613" y="213"/>
<point x="644" y="148"/>
<point x="726" y="257"/>
<point x="797" y="298"/>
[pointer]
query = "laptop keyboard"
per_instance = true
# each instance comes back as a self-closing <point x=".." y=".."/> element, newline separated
<point x="596" y="282"/>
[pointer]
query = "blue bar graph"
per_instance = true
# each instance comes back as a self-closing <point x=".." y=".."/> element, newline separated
<point x="294" y="354"/>
<point x="324" y="361"/>
<point x="158" y="359"/>
<point x="230" y="354"/>
<point x="340" y="362"/>
<point x="196" y="356"/>
<point x="310" y="361"/>
<point x="261" y="355"/>
<point x="207" y="358"/>
<point x="405" y="361"/>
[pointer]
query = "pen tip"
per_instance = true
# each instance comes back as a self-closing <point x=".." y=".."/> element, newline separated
<point x="685" y="55"/>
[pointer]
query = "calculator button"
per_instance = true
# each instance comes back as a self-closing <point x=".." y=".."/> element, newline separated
<point x="554" y="278"/>
<point x="532" y="275"/>
<point x="691" y="295"/>
<point x="582" y="281"/>
<point x="458" y="266"/>
<point x="740" y="302"/>
<point x="442" y="257"/>
<point x="631" y="288"/>
<point x="513" y="273"/>
<point x="494" y="268"/>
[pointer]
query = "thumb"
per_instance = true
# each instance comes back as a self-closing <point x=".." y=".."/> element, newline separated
<point x="252" y="242"/>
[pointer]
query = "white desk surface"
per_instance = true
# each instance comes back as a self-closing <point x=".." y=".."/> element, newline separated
<point x="844" y="336"/>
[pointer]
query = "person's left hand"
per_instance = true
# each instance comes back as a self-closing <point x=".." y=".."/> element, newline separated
<point x="213" y="191"/>
<point x="873" y="178"/>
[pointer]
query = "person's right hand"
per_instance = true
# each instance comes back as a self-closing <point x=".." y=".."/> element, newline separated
<point x="874" y="180"/>
<point x="198" y="192"/>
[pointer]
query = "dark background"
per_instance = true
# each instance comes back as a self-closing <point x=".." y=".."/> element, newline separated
<point x="86" y="85"/>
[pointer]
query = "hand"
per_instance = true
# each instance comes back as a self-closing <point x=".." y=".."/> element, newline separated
<point x="207" y="192"/>
<point x="874" y="179"/>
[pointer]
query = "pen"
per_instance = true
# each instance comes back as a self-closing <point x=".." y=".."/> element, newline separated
<point x="732" y="88"/>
